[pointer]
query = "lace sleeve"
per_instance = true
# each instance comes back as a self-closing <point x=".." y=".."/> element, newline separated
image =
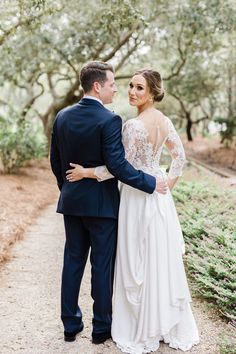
<point x="128" y="139"/>
<point x="175" y="146"/>
<point x="102" y="173"/>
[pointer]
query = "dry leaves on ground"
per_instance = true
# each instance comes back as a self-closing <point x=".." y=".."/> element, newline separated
<point x="22" y="197"/>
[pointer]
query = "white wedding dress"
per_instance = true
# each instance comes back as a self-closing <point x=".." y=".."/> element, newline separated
<point x="151" y="299"/>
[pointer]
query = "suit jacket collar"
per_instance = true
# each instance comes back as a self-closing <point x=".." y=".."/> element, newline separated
<point x="93" y="98"/>
<point x="90" y="102"/>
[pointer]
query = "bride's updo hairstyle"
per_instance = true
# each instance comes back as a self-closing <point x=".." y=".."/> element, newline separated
<point x="154" y="82"/>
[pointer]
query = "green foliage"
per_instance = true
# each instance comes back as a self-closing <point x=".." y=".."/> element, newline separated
<point x="228" y="131"/>
<point x="44" y="44"/>
<point x="228" y="345"/>
<point x="207" y="216"/>
<point x="193" y="48"/>
<point x="19" y="142"/>
<point x="62" y="36"/>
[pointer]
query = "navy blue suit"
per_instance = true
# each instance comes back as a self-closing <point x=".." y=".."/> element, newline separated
<point x="89" y="134"/>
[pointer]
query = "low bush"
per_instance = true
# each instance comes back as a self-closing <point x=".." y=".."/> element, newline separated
<point x="207" y="215"/>
<point x="20" y="141"/>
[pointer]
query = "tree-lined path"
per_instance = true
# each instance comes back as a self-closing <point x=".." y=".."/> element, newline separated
<point x="44" y="45"/>
<point x="30" y="300"/>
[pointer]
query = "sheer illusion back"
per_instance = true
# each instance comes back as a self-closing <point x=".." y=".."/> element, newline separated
<point x="144" y="141"/>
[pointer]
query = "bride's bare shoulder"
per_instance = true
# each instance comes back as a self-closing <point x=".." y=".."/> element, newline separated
<point x="161" y="118"/>
<point x="159" y="113"/>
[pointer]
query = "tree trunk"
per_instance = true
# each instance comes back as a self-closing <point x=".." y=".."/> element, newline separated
<point x="49" y="117"/>
<point x="189" y="127"/>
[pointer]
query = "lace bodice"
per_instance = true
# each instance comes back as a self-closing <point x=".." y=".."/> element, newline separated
<point x="143" y="148"/>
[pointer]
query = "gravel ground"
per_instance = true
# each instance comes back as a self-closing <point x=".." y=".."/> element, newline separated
<point x="30" y="300"/>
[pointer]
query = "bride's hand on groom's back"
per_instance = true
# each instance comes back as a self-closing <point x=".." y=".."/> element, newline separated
<point x="76" y="173"/>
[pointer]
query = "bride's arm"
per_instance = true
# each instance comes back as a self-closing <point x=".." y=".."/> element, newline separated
<point x="176" y="149"/>
<point x="79" y="172"/>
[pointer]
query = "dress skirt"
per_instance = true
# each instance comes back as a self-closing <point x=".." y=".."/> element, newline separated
<point x="151" y="300"/>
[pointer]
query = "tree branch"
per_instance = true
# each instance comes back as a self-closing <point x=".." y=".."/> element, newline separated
<point x="51" y="86"/>
<point x="30" y="103"/>
<point x="122" y="77"/>
<point x="122" y="41"/>
<point x="200" y="120"/>
<point x="195" y="106"/>
<point x="63" y="78"/>
<point x="98" y="51"/>
<point x="63" y="55"/>
<point x="176" y="68"/>
<point x="180" y="102"/>
<point x="127" y="55"/>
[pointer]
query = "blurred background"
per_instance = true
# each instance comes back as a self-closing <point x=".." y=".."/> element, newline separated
<point x="44" y="44"/>
<point x="192" y="43"/>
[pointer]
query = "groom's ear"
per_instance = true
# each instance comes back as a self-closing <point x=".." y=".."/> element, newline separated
<point x="97" y="86"/>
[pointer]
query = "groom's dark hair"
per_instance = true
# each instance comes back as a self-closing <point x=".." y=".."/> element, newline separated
<point x="94" y="71"/>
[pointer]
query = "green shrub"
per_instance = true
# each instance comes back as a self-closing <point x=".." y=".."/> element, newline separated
<point x="20" y="141"/>
<point x="228" y="345"/>
<point x="228" y="134"/>
<point x="207" y="215"/>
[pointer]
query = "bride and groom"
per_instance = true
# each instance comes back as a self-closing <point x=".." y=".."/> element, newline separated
<point x="133" y="235"/>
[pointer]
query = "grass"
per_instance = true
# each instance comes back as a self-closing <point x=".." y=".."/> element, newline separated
<point x="207" y="214"/>
<point x="228" y="345"/>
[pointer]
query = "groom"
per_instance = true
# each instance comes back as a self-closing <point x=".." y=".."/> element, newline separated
<point x="89" y="134"/>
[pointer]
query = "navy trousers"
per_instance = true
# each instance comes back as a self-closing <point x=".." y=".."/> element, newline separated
<point x="99" y="235"/>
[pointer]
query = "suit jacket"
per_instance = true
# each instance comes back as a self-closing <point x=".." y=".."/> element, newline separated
<point x="89" y="134"/>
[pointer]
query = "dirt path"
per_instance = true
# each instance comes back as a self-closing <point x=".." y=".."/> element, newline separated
<point x="30" y="294"/>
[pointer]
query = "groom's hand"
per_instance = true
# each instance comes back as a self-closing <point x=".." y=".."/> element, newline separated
<point x="161" y="186"/>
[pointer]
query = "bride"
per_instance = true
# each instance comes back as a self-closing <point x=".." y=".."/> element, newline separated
<point x="151" y="301"/>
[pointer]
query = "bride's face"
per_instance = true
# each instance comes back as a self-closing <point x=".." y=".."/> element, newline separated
<point x="139" y="93"/>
